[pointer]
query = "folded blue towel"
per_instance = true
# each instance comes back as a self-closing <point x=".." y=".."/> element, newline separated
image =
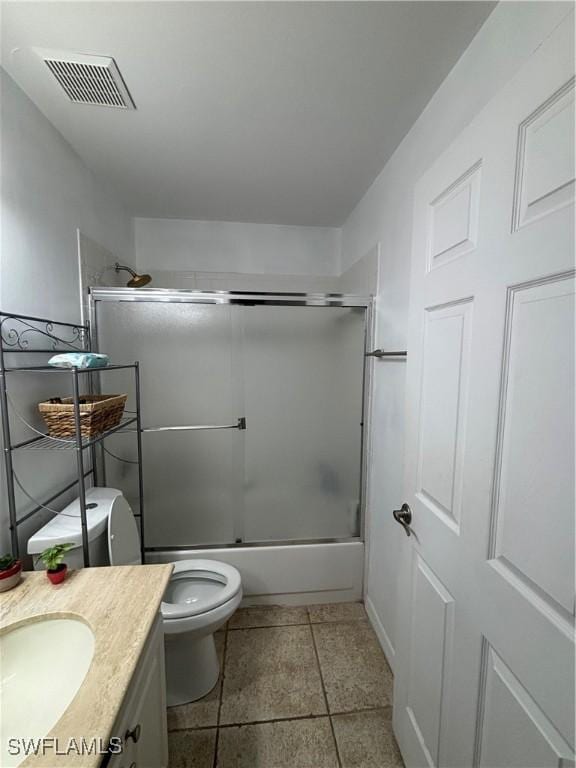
<point x="79" y="360"/>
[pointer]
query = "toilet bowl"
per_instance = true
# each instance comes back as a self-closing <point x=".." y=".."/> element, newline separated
<point x="200" y="597"/>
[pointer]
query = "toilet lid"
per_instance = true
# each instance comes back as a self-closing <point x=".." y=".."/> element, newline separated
<point x="66" y="528"/>
<point x="198" y="586"/>
<point x="123" y="536"/>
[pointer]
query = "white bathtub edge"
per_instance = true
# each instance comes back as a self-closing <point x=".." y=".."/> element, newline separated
<point x="297" y="574"/>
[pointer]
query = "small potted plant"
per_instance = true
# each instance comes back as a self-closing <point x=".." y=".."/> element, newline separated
<point x="53" y="558"/>
<point x="10" y="572"/>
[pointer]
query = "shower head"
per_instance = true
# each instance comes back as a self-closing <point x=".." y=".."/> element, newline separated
<point x="136" y="281"/>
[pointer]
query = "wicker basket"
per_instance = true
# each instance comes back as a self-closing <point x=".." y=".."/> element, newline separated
<point x="98" y="413"/>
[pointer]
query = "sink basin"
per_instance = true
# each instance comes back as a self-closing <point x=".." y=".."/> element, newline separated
<point x="42" y="667"/>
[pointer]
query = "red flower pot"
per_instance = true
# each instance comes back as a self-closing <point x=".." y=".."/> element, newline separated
<point x="12" y="570"/>
<point x="10" y="577"/>
<point x="58" y="575"/>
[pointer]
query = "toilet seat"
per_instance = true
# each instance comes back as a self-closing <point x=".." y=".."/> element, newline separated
<point x="196" y="589"/>
<point x="199" y="586"/>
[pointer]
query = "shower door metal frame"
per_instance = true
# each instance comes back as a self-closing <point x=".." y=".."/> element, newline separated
<point x="252" y="298"/>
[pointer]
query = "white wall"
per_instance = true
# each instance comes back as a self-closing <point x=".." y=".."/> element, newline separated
<point x="234" y="255"/>
<point x="216" y="255"/>
<point x="47" y="194"/>
<point x="361" y="278"/>
<point x="384" y="216"/>
<point x="243" y="281"/>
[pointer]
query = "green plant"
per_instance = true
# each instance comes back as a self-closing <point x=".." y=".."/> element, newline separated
<point x="6" y="562"/>
<point x="53" y="556"/>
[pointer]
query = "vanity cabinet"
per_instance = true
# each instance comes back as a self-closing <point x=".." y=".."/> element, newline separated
<point x="141" y="723"/>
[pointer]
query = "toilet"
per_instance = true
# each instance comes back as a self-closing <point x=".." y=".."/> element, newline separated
<point x="200" y="597"/>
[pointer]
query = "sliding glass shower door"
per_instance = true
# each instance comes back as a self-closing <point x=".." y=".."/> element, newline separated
<point x="294" y="373"/>
<point x="192" y="479"/>
<point x="303" y="403"/>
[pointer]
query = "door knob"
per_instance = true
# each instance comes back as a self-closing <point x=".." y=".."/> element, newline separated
<point x="404" y="517"/>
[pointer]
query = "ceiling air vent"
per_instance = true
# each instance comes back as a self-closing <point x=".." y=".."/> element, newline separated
<point x="89" y="79"/>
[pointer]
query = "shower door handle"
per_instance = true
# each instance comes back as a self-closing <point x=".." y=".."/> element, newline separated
<point x="240" y="424"/>
<point x="382" y="353"/>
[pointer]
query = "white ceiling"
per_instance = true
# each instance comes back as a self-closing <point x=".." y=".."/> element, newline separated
<point x="278" y="112"/>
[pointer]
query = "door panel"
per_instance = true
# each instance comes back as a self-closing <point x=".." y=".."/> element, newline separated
<point x="514" y="731"/>
<point x="431" y="639"/>
<point x="490" y="436"/>
<point x="447" y="334"/>
<point x="453" y="219"/>
<point x="546" y="158"/>
<point x="535" y="477"/>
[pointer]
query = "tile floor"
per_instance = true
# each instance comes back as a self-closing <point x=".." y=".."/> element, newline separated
<point x="300" y="688"/>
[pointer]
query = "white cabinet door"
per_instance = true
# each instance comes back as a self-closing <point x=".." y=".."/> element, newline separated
<point x="147" y="717"/>
<point x="142" y="723"/>
<point x="485" y="661"/>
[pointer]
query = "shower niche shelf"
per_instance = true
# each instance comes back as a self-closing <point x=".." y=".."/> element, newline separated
<point x="29" y="335"/>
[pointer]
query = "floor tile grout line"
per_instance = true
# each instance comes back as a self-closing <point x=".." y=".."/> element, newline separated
<point x="338" y="621"/>
<point x="338" y="759"/>
<point x="222" y="675"/>
<point x="274" y="720"/>
<point x="272" y="626"/>
<point x="298" y="624"/>
<point x="284" y="719"/>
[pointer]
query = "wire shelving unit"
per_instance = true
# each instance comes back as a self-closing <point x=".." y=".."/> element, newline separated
<point x="25" y="334"/>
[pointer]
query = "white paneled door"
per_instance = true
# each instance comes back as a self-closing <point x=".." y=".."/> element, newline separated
<point x="485" y="673"/>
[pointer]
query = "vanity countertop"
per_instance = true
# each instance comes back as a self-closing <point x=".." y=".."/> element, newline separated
<point x="120" y="604"/>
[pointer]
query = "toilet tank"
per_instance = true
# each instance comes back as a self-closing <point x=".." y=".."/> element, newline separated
<point x="65" y="528"/>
